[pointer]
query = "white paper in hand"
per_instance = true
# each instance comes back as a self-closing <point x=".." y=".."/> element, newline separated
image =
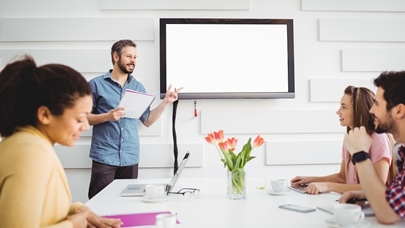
<point x="135" y="103"/>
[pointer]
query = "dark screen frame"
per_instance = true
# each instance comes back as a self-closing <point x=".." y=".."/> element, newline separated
<point x="227" y="95"/>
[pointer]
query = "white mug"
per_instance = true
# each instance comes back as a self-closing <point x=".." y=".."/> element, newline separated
<point x="279" y="185"/>
<point x="154" y="191"/>
<point x="165" y="221"/>
<point x="347" y="214"/>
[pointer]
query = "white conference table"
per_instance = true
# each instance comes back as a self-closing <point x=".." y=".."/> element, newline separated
<point x="213" y="209"/>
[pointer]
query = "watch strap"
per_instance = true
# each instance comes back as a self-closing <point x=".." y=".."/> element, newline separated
<point x="359" y="157"/>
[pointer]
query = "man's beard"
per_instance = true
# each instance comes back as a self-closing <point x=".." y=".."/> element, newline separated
<point x="123" y="67"/>
<point x="387" y="126"/>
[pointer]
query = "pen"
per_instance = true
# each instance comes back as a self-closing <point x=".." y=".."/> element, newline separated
<point x="354" y="200"/>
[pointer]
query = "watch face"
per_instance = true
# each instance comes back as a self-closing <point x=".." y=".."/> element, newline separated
<point x="359" y="157"/>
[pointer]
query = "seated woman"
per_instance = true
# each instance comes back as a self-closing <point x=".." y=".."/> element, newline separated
<point x="41" y="106"/>
<point x="354" y="112"/>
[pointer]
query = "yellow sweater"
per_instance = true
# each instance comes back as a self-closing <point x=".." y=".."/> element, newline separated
<point x="34" y="191"/>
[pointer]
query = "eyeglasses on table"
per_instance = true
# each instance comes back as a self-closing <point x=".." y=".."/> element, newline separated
<point x="187" y="193"/>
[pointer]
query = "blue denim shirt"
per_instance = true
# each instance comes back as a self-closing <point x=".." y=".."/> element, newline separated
<point x="114" y="143"/>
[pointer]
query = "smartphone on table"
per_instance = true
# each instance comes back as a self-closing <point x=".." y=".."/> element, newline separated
<point x="297" y="208"/>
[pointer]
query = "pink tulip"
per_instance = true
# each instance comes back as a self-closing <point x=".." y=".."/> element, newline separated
<point x="232" y="143"/>
<point x="210" y="138"/>
<point x="224" y="146"/>
<point x="258" y="141"/>
<point x="219" y="136"/>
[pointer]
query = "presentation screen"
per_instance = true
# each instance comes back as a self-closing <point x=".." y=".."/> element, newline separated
<point x="227" y="58"/>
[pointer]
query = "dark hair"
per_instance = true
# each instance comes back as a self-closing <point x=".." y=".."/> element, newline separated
<point x="118" y="46"/>
<point x="24" y="88"/>
<point x="393" y="83"/>
<point x="362" y="99"/>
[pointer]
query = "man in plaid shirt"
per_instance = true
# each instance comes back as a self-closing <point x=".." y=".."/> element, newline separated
<point x="388" y="203"/>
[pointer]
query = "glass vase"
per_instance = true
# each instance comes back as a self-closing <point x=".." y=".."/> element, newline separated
<point x="236" y="184"/>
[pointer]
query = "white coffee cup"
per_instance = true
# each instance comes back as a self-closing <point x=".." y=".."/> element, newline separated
<point x="154" y="191"/>
<point x="347" y="214"/>
<point x="279" y="185"/>
<point x="165" y="221"/>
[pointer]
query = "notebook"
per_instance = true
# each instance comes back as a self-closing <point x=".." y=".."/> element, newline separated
<point x="138" y="219"/>
<point x="139" y="189"/>
<point x="366" y="208"/>
<point x="135" y="103"/>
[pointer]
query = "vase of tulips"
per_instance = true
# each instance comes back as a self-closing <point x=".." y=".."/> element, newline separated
<point x="234" y="162"/>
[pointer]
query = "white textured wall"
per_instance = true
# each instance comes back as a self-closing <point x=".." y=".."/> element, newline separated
<point x="337" y="43"/>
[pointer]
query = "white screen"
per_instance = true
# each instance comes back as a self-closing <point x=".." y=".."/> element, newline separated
<point x="222" y="58"/>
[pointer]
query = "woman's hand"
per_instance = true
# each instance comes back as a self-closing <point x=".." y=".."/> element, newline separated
<point x="317" y="187"/>
<point x="298" y="180"/>
<point x="79" y="219"/>
<point x="94" y="220"/>
<point x="349" y="195"/>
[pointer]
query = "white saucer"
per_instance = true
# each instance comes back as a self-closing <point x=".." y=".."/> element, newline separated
<point x="157" y="200"/>
<point x="271" y="192"/>
<point x="361" y="224"/>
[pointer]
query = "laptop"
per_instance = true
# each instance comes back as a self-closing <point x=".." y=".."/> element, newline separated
<point x="139" y="189"/>
<point x="299" y="188"/>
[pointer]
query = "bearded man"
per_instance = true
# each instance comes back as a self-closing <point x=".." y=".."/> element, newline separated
<point x="115" y="141"/>
<point x="388" y="202"/>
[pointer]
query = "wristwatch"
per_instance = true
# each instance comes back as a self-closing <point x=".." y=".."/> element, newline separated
<point x="359" y="157"/>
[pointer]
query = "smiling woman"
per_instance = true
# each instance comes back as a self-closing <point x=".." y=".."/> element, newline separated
<point x="354" y="111"/>
<point x="41" y="106"/>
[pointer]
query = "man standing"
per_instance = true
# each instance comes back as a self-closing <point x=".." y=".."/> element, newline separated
<point x="388" y="203"/>
<point x="115" y="141"/>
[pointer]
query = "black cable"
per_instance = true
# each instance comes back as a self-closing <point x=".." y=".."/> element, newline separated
<point x="175" y="149"/>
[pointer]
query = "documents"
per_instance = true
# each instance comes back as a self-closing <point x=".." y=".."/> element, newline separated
<point x="366" y="208"/>
<point x="135" y="103"/>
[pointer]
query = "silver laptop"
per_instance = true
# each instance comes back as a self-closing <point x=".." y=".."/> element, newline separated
<point x="139" y="189"/>
<point x="299" y="188"/>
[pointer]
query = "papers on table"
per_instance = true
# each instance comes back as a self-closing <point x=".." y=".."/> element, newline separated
<point x="135" y="103"/>
<point x="366" y="208"/>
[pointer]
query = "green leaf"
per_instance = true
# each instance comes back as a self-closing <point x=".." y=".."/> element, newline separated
<point x="225" y="164"/>
<point x="248" y="148"/>
<point x="228" y="158"/>
<point x="261" y="187"/>
<point x="233" y="156"/>
<point x="250" y="158"/>
<point x="238" y="161"/>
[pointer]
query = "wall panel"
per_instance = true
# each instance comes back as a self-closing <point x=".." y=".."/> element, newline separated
<point x="373" y="59"/>
<point x="174" y="5"/>
<point x="75" y="29"/>
<point x="270" y="121"/>
<point x="82" y="60"/>
<point x="331" y="90"/>
<point x="358" y="5"/>
<point x="302" y="153"/>
<point x="152" y="155"/>
<point x="389" y="30"/>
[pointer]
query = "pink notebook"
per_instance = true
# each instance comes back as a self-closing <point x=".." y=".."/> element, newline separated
<point x="138" y="219"/>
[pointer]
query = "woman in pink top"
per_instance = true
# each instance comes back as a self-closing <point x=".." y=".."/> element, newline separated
<point x="354" y="112"/>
